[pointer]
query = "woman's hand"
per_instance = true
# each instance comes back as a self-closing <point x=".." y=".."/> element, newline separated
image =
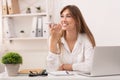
<point x="67" y="67"/>
<point x="60" y="68"/>
<point x="55" y="32"/>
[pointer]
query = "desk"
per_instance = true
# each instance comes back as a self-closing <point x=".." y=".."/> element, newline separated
<point x="3" y="76"/>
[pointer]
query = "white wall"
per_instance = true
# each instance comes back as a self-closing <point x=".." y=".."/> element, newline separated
<point x="102" y="17"/>
<point x="1" y="65"/>
<point x="0" y="26"/>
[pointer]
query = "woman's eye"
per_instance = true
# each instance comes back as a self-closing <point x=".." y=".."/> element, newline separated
<point x="68" y="16"/>
<point x="61" y="16"/>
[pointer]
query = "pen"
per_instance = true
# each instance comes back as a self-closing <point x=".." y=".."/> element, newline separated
<point x="67" y="72"/>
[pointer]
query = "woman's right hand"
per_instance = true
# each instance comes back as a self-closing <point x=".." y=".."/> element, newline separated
<point x="55" y="32"/>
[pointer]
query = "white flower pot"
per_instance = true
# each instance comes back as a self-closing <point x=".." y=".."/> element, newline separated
<point x="12" y="69"/>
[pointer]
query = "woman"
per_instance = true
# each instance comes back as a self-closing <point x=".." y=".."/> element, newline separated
<point x="71" y="43"/>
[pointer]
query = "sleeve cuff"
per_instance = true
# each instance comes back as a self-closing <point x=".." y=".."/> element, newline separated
<point x="74" y="67"/>
<point x="82" y="68"/>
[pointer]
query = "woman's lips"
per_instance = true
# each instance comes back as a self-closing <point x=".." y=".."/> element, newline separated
<point x="64" y="25"/>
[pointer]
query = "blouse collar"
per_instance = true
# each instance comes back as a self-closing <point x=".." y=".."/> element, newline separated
<point x="79" y="39"/>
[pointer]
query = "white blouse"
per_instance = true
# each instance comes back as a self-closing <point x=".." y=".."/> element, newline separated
<point x="80" y="57"/>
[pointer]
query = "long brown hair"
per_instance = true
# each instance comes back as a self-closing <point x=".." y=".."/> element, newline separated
<point x="80" y="22"/>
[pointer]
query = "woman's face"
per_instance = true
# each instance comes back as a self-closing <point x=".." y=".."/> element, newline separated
<point x="67" y="21"/>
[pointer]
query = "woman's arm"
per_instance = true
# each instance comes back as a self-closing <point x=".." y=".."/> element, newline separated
<point x="53" y="61"/>
<point x="53" y="56"/>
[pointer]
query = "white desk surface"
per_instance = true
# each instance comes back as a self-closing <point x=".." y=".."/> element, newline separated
<point x="3" y="76"/>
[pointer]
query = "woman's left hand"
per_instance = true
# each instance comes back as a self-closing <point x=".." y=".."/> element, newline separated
<point x="66" y="67"/>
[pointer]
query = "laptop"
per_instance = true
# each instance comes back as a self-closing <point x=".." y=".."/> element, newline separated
<point x="106" y="61"/>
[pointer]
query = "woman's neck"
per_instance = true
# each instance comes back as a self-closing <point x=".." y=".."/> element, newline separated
<point x="71" y="35"/>
<point x="71" y="38"/>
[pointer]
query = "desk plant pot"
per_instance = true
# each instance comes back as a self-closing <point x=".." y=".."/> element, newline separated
<point x="12" y="69"/>
<point x="12" y="61"/>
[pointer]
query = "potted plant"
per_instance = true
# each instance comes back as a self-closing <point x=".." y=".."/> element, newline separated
<point x="28" y="10"/>
<point x="12" y="61"/>
<point x="38" y="9"/>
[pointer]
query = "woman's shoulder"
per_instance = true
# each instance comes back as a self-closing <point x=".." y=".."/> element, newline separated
<point x="86" y="40"/>
<point x="84" y="37"/>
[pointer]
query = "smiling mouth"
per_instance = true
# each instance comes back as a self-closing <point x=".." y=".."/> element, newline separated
<point x="64" y="25"/>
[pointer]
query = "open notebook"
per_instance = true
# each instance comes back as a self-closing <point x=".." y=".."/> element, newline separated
<point x="27" y="71"/>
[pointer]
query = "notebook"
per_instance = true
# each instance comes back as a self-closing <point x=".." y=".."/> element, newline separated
<point x="106" y="61"/>
<point x="27" y="71"/>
